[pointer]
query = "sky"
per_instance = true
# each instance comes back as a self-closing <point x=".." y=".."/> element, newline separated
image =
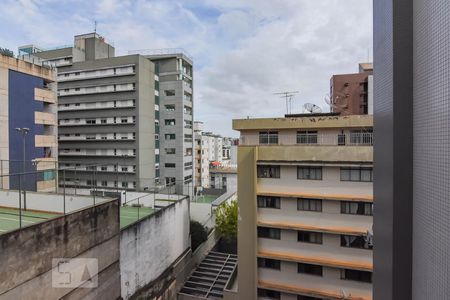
<point x="244" y="51"/>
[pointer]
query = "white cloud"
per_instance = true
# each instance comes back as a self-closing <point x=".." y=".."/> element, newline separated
<point x="244" y="50"/>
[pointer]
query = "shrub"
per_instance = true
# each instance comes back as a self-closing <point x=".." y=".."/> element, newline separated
<point x="198" y="234"/>
<point x="226" y="220"/>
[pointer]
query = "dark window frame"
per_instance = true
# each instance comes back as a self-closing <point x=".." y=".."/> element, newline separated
<point x="309" y="237"/>
<point x="305" y="172"/>
<point x="362" y="208"/>
<point x="307" y="204"/>
<point x="310" y="269"/>
<point x="264" y="233"/>
<point x="357" y="174"/>
<point x="268" y="171"/>
<point x="269" y="202"/>
<point x="269" y="263"/>
<point x="356" y="242"/>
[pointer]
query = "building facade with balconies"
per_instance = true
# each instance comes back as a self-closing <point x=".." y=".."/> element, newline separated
<point x="108" y="116"/>
<point x="176" y="117"/>
<point x="28" y="101"/>
<point x="305" y="207"/>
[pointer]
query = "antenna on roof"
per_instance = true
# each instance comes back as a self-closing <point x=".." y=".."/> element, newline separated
<point x="288" y="96"/>
<point x="312" y="108"/>
<point x="95" y="26"/>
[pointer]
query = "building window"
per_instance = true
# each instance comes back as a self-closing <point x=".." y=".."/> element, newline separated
<point x="301" y="297"/>
<point x="169" y="165"/>
<point x="90" y="121"/>
<point x="309" y="269"/>
<point x="357" y="208"/>
<point x="352" y="241"/>
<point x="104" y="168"/>
<point x="169" y="122"/>
<point x="307" y="137"/>
<point x="309" y="173"/>
<point x="124" y="184"/>
<point x="104" y="183"/>
<point x="309" y="204"/>
<point x="356" y="275"/>
<point x="268" y="294"/>
<point x="169" y="136"/>
<point x="170" y="180"/>
<point x="269" y="233"/>
<point x="268" y="137"/>
<point x="357" y="174"/>
<point x="361" y="137"/>
<point x="268" y="171"/>
<point x="268" y="202"/>
<point x="268" y="263"/>
<point x="103" y="121"/>
<point x="124" y="120"/>
<point x="170" y="150"/>
<point x="309" y="237"/>
<point x="170" y="107"/>
<point x="169" y="92"/>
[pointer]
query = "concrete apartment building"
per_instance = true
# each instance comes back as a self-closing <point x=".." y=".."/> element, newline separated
<point x="201" y="157"/>
<point x="176" y="117"/>
<point x="412" y="78"/>
<point x="28" y="100"/>
<point x="108" y="115"/>
<point x="352" y="94"/>
<point x="305" y="207"/>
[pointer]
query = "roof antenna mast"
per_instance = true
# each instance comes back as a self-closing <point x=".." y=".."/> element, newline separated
<point x="95" y="26"/>
<point x="288" y="96"/>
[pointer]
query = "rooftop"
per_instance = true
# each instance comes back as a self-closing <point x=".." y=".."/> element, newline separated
<point x="321" y="121"/>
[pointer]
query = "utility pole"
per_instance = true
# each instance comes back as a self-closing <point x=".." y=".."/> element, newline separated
<point x="24" y="131"/>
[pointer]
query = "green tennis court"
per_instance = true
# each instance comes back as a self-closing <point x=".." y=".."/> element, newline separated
<point x="131" y="214"/>
<point x="10" y="219"/>
<point x="205" y="198"/>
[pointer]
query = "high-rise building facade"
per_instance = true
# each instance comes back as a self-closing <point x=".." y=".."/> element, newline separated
<point x="28" y="122"/>
<point x="201" y="155"/>
<point x="412" y="112"/>
<point x="352" y="94"/>
<point x="305" y="207"/>
<point x="176" y="117"/>
<point x="108" y="116"/>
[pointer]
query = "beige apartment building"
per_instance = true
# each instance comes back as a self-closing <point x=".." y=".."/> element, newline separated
<point x="305" y="207"/>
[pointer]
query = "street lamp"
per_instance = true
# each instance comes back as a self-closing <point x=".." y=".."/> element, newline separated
<point x="24" y="131"/>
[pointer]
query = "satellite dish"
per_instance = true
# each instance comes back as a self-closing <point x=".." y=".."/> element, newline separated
<point x="311" y="108"/>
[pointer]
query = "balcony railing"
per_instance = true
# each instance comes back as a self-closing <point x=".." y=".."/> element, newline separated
<point x="345" y="139"/>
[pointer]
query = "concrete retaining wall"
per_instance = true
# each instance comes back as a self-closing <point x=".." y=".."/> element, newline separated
<point x="149" y="247"/>
<point x="26" y="254"/>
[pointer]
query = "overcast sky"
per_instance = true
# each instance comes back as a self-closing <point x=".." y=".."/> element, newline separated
<point x="244" y="50"/>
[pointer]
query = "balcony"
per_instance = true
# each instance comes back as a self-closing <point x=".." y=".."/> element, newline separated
<point x="45" y="95"/>
<point x="45" y="141"/>
<point x="45" y="118"/>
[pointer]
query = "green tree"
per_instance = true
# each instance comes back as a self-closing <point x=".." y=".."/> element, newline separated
<point x="198" y="234"/>
<point x="226" y="220"/>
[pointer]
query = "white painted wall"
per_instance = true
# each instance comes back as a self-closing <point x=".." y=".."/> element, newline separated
<point x="151" y="245"/>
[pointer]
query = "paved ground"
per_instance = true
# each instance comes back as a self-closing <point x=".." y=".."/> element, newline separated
<point x="130" y="214"/>
<point x="9" y="218"/>
<point x="205" y="198"/>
